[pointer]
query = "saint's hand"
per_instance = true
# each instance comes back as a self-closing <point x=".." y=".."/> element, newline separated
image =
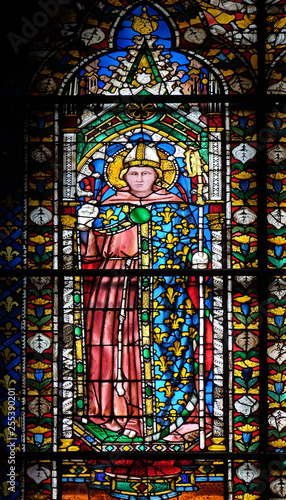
<point x="86" y="215"/>
<point x="200" y="260"/>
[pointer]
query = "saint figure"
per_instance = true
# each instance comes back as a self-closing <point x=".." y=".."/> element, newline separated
<point x="141" y="331"/>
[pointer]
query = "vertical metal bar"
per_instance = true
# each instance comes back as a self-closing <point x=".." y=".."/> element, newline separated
<point x="202" y="396"/>
<point x="55" y="297"/>
<point x="201" y="367"/>
<point x="24" y="291"/>
<point x="54" y="481"/>
<point x="229" y="480"/>
<point x="228" y="367"/>
<point x="262" y="238"/>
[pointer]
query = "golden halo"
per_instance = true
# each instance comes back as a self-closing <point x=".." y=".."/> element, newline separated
<point x="169" y="171"/>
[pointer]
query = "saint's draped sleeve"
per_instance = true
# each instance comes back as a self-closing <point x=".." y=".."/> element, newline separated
<point x="109" y="238"/>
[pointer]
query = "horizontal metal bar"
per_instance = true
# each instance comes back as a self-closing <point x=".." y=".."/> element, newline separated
<point x="254" y="100"/>
<point x="141" y="272"/>
<point x="156" y="456"/>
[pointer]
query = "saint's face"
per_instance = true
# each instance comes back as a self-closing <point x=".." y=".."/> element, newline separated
<point x="141" y="180"/>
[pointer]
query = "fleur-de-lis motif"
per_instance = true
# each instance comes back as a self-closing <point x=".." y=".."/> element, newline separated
<point x="157" y="306"/>
<point x="163" y="363"/>
<point x="183" y="253"/>
<point x="171" y="295"/>
<point x="185" y="376"/>
<point x="174" y="320"/>
<point x="5" y="230"/>
<point x="159" y="405"/>
<point x="108" y="217"/>
<point x="182" y="402"/>
<point x="4" y="408"/>
<point x="168" y="390"/>
<point x="167" y="215"/>
<point x="7" y="381"/>
<point x="8" y="304"/>
<point x="177" y="348"/>
<point x="170" y="240"/>
<point x="155" y="228"/>
<point x="6" y="436"/>
<point x="159" y="336"/>
<point x="7" y="355"/>
<point x="157" y="254"/>
<point x="189" y="307"/>
<point x="191" y="333"/>
<point x="9" y="254"/>
<point x="10" y="202"/>
<point x="185" y="227"/>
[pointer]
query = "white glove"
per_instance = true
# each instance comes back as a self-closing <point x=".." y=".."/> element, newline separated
<point x="200" y="260"/>
<point x="86" y="215"/>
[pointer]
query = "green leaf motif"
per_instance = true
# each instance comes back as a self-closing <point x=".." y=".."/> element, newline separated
<point x="240" y="446"/>
<point x="277" y="263"/>
<point x="253" y="447"/>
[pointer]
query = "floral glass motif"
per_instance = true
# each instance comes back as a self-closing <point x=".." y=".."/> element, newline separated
<point x="138" y="257"/>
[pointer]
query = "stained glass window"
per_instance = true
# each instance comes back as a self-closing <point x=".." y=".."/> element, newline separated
<point x="143" y="252"/>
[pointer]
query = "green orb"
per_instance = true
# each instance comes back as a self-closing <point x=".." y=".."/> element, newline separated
<point x="146" y="353"/>
<point x="145" y="317"/>
<point x="79" y="367"/>
<point x="79" y="403"/>
<point x="148" y="391"/>
<point x="145" y="282"/>
<point x="145" y="245"/>
<point x="149" y="422"/>
<point x="77" y="331"/>
<point x="140" y="215"/>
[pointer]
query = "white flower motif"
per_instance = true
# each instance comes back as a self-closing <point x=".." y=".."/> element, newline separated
<point x="244" y="152"/>
<point x="277" y="218"/>
<point x="278" y="487"/>
<point x="39" y="342"/>
<point x="245" y="281"/>
<point x="247" y="340"/>
<point x="277" y="153"/>
<point x="278" y="287"/>
<point x="247" y="472"/>
<point x="246" y="405"/>
<point x="277" y="352"/>
<point x="278" y="420"/>
<point x="38" y="473"/>
<point x="245" y="216"/>
<point x="41" y="216"/>
<point x="41" y="154"/>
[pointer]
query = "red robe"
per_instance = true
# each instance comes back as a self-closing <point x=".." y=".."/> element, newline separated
<point x="103" y="297"/>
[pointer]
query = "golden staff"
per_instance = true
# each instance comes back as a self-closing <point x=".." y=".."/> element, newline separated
<point x="194" y="168"/>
